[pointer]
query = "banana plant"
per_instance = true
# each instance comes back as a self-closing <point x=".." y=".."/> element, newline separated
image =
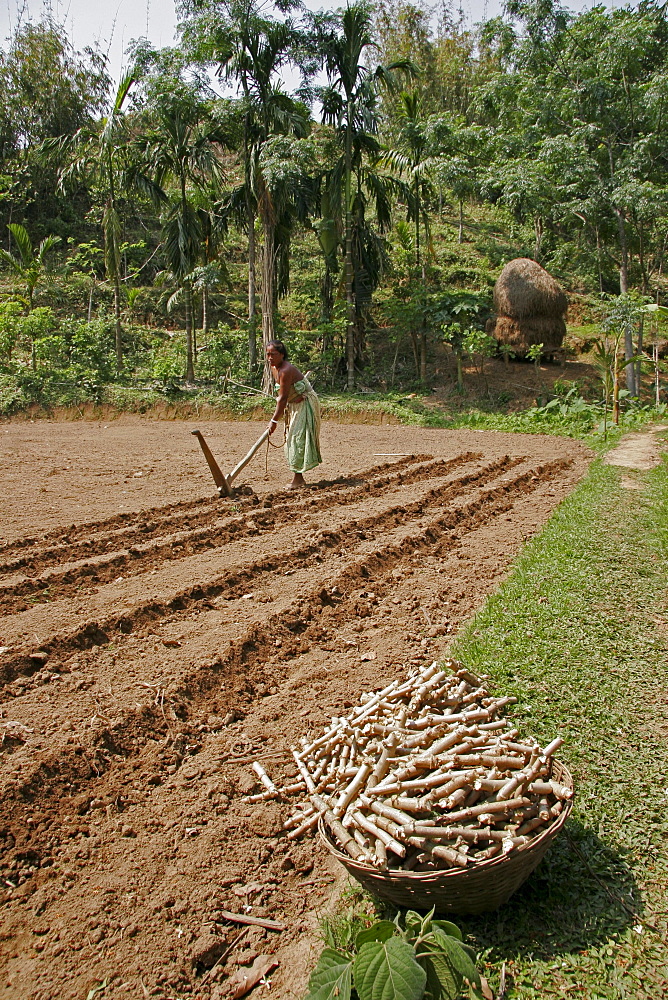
<point x="28" y="264"/>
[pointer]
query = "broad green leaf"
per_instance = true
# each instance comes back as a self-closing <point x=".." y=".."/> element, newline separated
<point x="443" y="983"/>
<point x="331" y="978"/>
<point x="448" y="928"/>
<point x="388" y="970"/>
<point x="457" y="954"/>
<point x="412" y="923"/>
<point x="380" y="931"/>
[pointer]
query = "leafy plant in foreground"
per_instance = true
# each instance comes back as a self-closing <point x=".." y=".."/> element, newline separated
<point x="404" y="959"/>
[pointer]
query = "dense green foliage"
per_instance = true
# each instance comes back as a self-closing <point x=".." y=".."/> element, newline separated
<point x="365" y="215"/>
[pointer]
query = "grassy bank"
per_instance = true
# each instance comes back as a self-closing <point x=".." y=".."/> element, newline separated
<point x="572" y="417"/>
<point x="579" y="634"/>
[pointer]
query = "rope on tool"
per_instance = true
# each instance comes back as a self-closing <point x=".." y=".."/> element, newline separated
<point x="271" y="443"/>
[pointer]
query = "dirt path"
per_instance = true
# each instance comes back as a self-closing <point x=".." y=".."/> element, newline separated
<point x="640" y="451"/>
<point x="156" y="639"/>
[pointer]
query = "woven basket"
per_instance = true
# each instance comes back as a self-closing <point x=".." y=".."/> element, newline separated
<point x="478" y="889"/>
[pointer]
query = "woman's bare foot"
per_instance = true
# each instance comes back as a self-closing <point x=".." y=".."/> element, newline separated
<point x="298" y="483"/>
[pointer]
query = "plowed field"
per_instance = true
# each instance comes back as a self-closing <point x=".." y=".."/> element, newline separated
<point x="155" y="640"/>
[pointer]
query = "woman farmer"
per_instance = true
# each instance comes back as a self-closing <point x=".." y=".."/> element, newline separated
<point x="299" y="402"/>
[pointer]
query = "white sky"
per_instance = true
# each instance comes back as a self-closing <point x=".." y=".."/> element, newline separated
<point x="114" y="24"/>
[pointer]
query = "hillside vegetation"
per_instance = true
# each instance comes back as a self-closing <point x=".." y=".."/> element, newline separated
<point x="157" y="232"/>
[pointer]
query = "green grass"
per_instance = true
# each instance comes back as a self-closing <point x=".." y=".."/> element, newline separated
<point x="577" y="634"/>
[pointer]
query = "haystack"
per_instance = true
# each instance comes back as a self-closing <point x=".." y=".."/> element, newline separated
<point x="530" y="307"/>
<point x="520" y="335"/>
<point x="525" y="289"/>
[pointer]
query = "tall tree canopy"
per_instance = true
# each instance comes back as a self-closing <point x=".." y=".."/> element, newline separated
<point x="48" y="90"/>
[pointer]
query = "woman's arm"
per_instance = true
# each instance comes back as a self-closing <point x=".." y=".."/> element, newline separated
<point x="284" y="386"/>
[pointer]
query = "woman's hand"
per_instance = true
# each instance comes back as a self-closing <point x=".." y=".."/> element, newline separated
<point x="271" y="426"/>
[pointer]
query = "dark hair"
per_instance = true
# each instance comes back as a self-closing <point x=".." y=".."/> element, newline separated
<point x="280" y="347"/>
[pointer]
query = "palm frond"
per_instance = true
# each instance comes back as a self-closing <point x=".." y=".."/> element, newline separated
<point x="23" y="244"/>
<point x="47" y="244"/>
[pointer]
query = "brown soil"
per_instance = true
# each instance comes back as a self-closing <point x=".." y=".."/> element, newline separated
<point x="519" y="382"/>
<point x="156" y="639"/>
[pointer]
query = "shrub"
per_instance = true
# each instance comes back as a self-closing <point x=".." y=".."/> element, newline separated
<point x="405" y="959"/>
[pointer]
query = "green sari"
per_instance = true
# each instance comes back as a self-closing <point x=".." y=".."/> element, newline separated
<point x="302" y="438"/>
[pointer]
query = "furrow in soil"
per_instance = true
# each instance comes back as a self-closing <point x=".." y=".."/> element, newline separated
<point x="137" y="693"/>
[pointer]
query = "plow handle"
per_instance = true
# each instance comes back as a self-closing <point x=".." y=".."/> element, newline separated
<point x="246" y="459"/>
<point x="218" y="477"/>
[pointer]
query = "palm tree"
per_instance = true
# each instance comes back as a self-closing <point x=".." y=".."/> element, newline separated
<point x="251" y="48"/>
<point x="253" y="51"/>
<point x="411" y="160"/>
<point x="28" y="264"/>
<point x="349" y="102"/>
<point x="279" y="177"/>
<point x="93" y="152"/>
<point x="211" y="272"/>
<point x="180" y="146"/>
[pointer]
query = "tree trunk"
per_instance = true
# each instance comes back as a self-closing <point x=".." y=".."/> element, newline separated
<point x="460" y="237"/>
<point x="394" y="360"/>
<point x="250" y="220"/>
<point x="350" y="303"/>
<point x="111" y="230"/>
<point x="117" y="323"/>
<point x="628" y="353"/>
<point x="623" y="254"/>
<point x="423" y="357"/>
<point x="268" y="265"/>
<point x="460" y="376"/>
<point x="623" y="290"/>
<point x="188" y="302"/>
<point x="416" y="352"/>
<point x="417" y="224"/>
<point x="638" y="366"/>
<point x="641" y="259"/>
<point x="538" y="231"/>
<point x="423" y="331"/>
<point x="194" y="319"/>
<point x="327" y="298"/>
<point x="621" y="229"/>
<point x="252" y="304"/>
<point x="205" y="313"/>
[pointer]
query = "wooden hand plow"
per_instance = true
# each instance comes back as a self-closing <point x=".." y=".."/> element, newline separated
<point x="223" y="482"/>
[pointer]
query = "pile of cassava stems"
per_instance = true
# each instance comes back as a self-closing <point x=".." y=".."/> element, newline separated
<point x="424" y="774"/>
